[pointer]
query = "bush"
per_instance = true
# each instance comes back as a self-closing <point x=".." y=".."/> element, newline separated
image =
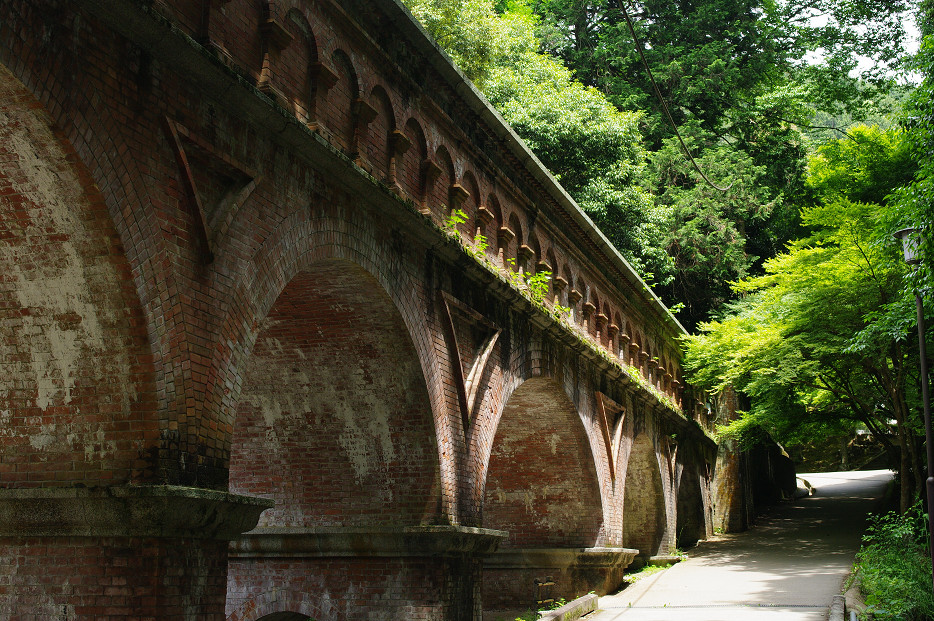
<point x="894" y="567"/>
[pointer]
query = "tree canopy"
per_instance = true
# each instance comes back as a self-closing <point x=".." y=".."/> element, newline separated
<point x="812" y="341"/>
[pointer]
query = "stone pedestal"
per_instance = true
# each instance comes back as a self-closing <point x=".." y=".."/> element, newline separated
<point x="141" y="552"/>
<point x="518" y="579"/>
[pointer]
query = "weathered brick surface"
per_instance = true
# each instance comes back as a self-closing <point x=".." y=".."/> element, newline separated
<point x="371" y="589"/>
<point x="321" y="427"/>
<point x="541" y="484"/>
<point x="644" y="509"/>
<point x="111" y="578"/>
<point x="216" y="274"/>
<point x="76" y="403"/>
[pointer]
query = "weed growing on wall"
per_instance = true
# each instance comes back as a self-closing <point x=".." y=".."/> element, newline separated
<point x="538" y="285"/>
<point x="455" y="219"/>
<point x="535" y="287"/>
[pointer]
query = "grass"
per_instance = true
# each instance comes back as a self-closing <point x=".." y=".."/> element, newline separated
<point x="645" y="572"/>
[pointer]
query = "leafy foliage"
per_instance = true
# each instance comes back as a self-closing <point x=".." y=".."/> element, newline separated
<point x="812" y="342"/>
<point x="894" y="567"/>
<point x="740" y="80"/>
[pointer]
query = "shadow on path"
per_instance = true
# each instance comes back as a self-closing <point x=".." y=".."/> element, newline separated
<point x="789" y="566"/>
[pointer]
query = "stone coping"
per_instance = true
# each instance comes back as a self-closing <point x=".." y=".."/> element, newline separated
<point x="572" y="610"/>
<point x="560" y="558"/>
<point x="660" y="560"/>
<point x="434" y="540"/>
<point x="127" y="511"/>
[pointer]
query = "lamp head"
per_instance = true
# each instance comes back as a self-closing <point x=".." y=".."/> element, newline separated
<point x="910" y="245"/>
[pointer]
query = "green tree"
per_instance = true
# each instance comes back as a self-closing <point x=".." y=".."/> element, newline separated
<point x="592" y="147"/>
<point x="810" y="343"/>
<point x="739" y="80"/>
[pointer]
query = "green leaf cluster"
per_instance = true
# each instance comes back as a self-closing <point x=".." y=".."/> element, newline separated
<point x="894" y="567"/>
<point x="742" y="81"/>
<point x="821" y="336"/>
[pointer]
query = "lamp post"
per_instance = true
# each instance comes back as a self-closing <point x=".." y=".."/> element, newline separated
<point x="909" y="241"/>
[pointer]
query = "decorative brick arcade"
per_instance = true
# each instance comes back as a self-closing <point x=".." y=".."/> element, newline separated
<point x="251" y="369"/>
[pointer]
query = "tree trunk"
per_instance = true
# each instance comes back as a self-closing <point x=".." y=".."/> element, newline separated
<point x="904" y="459"/>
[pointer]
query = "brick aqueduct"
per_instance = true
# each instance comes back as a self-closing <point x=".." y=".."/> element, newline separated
<point x="251" y="368"/>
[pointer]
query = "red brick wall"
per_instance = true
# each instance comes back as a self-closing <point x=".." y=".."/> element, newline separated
<point x="374" y="589"/>
<point x="334" y="421"/>
<point x="159" y="339"/>
<point x="76" y="392"/>
<point x="541" y="485"/>
<point x="111" y="578"/>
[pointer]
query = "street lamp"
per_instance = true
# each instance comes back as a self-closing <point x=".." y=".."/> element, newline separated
<point x="910" y="247"/>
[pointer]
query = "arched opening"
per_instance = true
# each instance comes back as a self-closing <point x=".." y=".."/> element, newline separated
<point x="376" y="149"/>
<point x="334" y="423"/>
<point x="439" y="199"/>
<point x="339" y="116"/>
<point x="292" y="68"/>
<point x="511" y="249"/>
<point x="691" y="526"/>
<point x="542" y="488"/>
<point x="491" y="231"/>
<point x="334" y="397"/>
<point x="643" y="499"/>
<point x="470" y="207"/>
<point x="77" y="387"/>
<point x="410" y="175"/>
<point x="284" y="616"/>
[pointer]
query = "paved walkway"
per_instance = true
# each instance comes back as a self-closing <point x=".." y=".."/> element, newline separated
<point x="787" y="568"/>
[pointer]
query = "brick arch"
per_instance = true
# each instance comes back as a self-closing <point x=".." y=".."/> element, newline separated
<point x="594" y="299"/>
<point x="294" y="66"/>
<point x="583" y="288"/>
<point x="536" y="246"/>
<point x="638" y="346"/>
<point x="552" y="259"/>
<point x="492" y="228"/>
<point x="339" y="113"/>
<point x="439" y="200"/>
<point x="358" y="443"/>
<point x="607" y="311"/>
<point x="644" y="515"/>
<point x="471" y="205"/>
<point x="300" y="241"/>
<point x="77" y="378"/>
<point x="376" y="147"/>
<point x="513" y="371"/>
<point x="568" y="275"/>
<point x="511" y="250"/>
<point x="541" y="481"/>
<point x="411" y="172"/>
<point x="618" y="348"/>
<point x="267" y="604"/>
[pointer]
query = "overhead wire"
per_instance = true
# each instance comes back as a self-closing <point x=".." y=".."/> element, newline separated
<point x="658" y="93"/>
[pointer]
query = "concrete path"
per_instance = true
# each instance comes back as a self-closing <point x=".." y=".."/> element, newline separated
<point x="787" y="568"/>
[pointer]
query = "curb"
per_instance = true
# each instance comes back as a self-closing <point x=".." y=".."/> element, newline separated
<point x="574" y="609"/>
<point x="837" y="608"/>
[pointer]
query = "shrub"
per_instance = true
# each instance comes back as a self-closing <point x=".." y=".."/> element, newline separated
<point x="894" y="567"/>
